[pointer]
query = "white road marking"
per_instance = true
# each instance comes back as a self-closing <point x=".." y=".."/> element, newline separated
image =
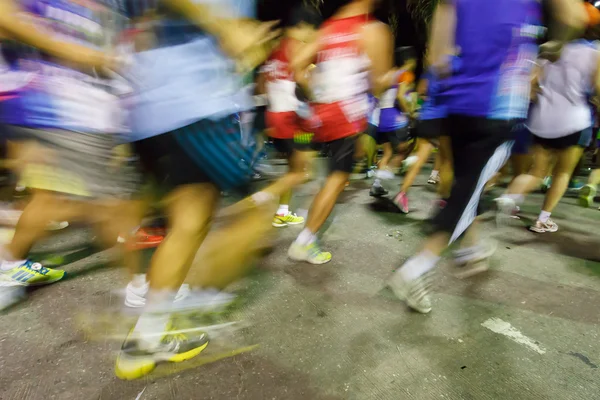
<point x="504" y="328"/>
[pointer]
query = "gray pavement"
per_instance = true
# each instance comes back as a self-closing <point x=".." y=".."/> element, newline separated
<point x="527" y="329"/>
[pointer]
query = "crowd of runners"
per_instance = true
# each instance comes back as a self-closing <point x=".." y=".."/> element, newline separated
<point x="114" y="113"/>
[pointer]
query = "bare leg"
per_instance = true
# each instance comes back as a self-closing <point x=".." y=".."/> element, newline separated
<point x="566" y="162"/>
<point x="423" y="152"/>
<point x="227" y="254"/>
<point x="325" y="200"/>
<point x="527" y="183"/>
<point x="189" y="210"/>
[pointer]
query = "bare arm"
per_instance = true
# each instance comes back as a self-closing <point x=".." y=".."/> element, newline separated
<point x="301" y="59"/>
<point x="14" y="26"/>
<point x="405" y="106"/>
<point x="236" y="36"/>
<point x="378" y="43"/>
<point x="441" y="41"/>
<point x="597" y="79"/>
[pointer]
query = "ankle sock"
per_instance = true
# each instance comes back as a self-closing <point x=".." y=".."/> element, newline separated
<point x="418" y="265"/>
<point x="306" y="237"/>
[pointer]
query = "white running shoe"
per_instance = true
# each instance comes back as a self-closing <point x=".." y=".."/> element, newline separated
<point x="57" y="226"/>
<point x="415" y="293"/>
<point x="11" y="291"/>
<point x="433" y="179"/>
<point x="474" y="260"/>
<point x="543" y="227"/>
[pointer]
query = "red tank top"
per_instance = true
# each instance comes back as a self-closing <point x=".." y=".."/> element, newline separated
<point x="280" y="85"/>
<point x="341" y="79"/>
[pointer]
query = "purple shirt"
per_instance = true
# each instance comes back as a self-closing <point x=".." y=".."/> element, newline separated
<point x="497" y="43"/>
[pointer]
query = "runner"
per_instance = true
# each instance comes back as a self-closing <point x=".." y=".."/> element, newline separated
<point x="395" y="110"/>
<point x="429" y="133"/>
<point x="58" y="102"/>
<point x="486" y="89"/>
<point x="346" y="44"/>
<point x="561" y="124"/>
<point x="189" y="139"/>
<point x="282" y="118"/>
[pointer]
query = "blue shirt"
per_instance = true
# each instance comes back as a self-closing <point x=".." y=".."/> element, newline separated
<point x="186" y="77"/>
<point x="497" y="42"/>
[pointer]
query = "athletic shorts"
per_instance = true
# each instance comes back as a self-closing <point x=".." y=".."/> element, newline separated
<point x="334" y="124"/>
<point x="429" y="128"/>
<point x="302" y="142"/>
<point x="341" y="154"/>
<point x="394" y="137"/>
<point x="82" y="165"/>
<point x="480" y="147"/>
<point x="204" y="151"/>
<point x="582" y="138"/>
<point x="523" y="139"/>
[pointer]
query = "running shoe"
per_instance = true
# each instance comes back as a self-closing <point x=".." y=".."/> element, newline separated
<point x="134" y="361"/>
<point x="507" y="210"/>
<point x="310" y="253"/>
<point x="31" y="273"/>
<point x="437" y="206"/>
<point x="434" y="179"/>
<point x="407" y="163"/>
<point x="11" y="291"/>
<point x="377" y="191"/>
<point x="147" y="238"/>
<point x="473" y="260"/>
<point x="401" y="201"/>
<point x="543" y="227"/>
<point x="415" y="293"/>
<point x="575" y="185"/>
<point x="371" y="173"/>
<point x="586" y="195"/>
<point x="546" y="183"/>
<point x="57" y="226"/>
<point x="290" y="218"/>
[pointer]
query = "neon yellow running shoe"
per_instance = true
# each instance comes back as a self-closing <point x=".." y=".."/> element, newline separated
<point x="279" y="221"/>
<point x="31" y="273"/>
<point x="134" y="361"/>
<point x="310" y="253"/>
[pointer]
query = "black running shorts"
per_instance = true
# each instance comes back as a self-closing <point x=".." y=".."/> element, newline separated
<point x="204" y="151"/>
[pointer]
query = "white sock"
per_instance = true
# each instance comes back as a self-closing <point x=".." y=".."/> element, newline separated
<point x="7" y="261"/>
<point x="283" y="209"/>
<point x="377" y="182"/>
<point x="139" y="280"/>
<point x="418" y="265"/>
<point x="544" y="215"/>
<point x="517" y="198"/>
<point x="435" y="173"/>
<point x="306" y="237"/>
<point x="151" y="325"/>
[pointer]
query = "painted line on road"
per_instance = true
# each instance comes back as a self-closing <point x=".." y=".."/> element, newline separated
<point x="504" y="328"/>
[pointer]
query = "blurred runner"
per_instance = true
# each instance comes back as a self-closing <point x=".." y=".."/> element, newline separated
<point x="353" y="52"/>
<point x="185" y="120"/>
<point x="282" y="119"/>
<point x="561" y="124"/>
<point x="394" y="112"/>
<point x="487" y="88"/>
<point x="59" y="100"/>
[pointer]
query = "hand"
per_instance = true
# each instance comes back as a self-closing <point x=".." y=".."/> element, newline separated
<point x="237" y="37"/>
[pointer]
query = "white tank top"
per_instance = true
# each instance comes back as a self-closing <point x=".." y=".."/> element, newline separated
<point x="562" y="106"/>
